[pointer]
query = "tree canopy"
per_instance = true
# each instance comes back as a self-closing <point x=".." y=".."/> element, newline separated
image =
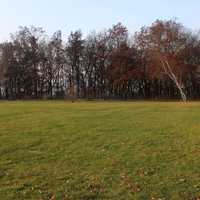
<point x="160" y="61"/>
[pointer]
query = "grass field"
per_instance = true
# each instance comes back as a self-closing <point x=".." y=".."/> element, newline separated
<point x="99" y="150"/>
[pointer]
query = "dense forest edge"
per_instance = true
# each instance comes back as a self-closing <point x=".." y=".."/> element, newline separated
<point x="160" y="61"/>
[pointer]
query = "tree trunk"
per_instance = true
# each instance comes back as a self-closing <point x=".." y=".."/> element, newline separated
<point x="169" y="72"/>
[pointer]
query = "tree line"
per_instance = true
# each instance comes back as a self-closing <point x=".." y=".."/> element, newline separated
<point x="160" y="61"/>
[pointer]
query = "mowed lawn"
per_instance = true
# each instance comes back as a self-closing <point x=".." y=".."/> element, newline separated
<point x="99" y="150"/>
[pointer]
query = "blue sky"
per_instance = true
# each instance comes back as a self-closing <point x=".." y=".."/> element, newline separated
<point x="89" y="15"/>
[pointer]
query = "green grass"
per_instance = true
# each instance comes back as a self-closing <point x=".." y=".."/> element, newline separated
<point x="99" y="150"/>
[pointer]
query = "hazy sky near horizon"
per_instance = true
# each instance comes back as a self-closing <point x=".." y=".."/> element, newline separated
<point x="89" y="15"/>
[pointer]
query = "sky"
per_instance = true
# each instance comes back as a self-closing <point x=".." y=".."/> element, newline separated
<point x="89" y="15"/>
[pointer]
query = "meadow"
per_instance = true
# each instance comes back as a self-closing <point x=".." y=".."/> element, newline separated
<point x="60" y="150"/>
